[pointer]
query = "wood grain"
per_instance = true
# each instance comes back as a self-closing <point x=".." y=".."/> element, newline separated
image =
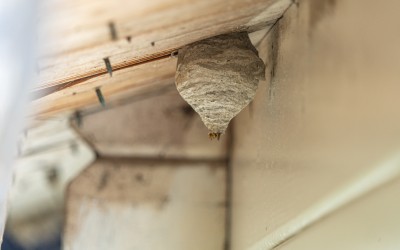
<point x="123" y="84"/>
<point x="76" y="36"/>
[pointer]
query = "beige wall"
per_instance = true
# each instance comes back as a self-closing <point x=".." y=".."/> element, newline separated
<point x="157" y="124"/>
<point x="327" y="115"/>
<point x="323" y="130"/>
<point x="369" y="223"/>
<point x="158" y="184"/>
<point x="146" y="205"/>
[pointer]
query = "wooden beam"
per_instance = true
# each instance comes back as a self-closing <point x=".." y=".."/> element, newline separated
<point x="123" y="84"/>
<point x="131" y="33"/>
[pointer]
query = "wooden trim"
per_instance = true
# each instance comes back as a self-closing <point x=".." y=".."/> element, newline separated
<point x="69" y="74"/>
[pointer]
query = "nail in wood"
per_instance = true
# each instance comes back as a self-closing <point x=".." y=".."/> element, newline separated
<point x="100" y="97"/>
<point x="108" y="65"/>
<point x="113" y="31"/>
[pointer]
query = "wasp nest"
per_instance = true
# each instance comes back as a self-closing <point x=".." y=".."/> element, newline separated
<point x="218" y="77"/>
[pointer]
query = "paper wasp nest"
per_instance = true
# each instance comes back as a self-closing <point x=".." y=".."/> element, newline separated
<point x="218" y="77"/>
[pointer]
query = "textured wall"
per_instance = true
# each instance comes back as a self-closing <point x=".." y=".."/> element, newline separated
<point x="156" y="124"/>
<point x="374" y="225"/>
<point x="146" y="205"/>
<point x="327" y="113"/>
<point x="160" y="186"/>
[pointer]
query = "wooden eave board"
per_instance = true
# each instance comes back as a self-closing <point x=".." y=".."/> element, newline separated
<point x="76" y="37"/>
<point x="123" y="84"/>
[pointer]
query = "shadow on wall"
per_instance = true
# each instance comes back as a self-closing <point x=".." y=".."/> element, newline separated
<point x="10" y="244"/>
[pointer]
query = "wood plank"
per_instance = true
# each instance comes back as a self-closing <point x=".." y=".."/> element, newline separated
<point x="124" y="84"/>
<point x="51" y="155"/>
<point x="155" y="32"/>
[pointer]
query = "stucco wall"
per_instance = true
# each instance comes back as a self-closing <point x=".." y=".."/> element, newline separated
<point x="326" y="114"/>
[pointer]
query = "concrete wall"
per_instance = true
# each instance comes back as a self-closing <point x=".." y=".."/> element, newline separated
<point x="324" y="122"/>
